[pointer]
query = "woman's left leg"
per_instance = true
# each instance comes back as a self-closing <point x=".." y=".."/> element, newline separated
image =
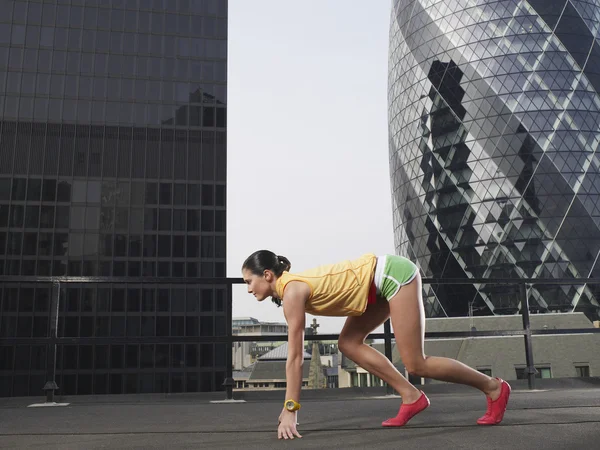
<point x="352" y="344"/>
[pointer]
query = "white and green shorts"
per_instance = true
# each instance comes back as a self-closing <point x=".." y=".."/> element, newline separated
<point x="392" y="273"/>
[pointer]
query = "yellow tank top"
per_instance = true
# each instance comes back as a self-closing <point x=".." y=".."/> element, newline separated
<point x="340" y="289"/>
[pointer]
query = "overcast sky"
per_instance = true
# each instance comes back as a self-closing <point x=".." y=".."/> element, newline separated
<point x="308" y="173"/>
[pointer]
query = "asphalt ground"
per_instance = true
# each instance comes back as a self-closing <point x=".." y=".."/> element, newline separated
<point x="550" y="417"/>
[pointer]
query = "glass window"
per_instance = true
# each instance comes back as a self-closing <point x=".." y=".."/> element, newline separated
<point x="582" y="370"/>
<point x="165" y="193"/>
<point x="220" y="195"/>
<point x="19" y="189"/>
<point x="151" y="194"/>
<point x="88" y="42"/>
<point x="164" y="221"/>
<point x="43" y="84"/>
<point x="102" y="41"/>
<point x="59" y="61"/>
<point x="193" y="244"/>
<point x="79" y="191"/>
<point x="76" y="18"/>
<point x="49" y="191"/>
<point x="117" y="19"/>
<point x="62" y="216"/>
<point x="56" y="85"/>
<point x="149" y="246"/>
<point x="179" y="246"/>
<point x="62" y="16"/>
<point x="13" y="84"/>
<point x="128" y="42"/>
<point x="94" y="191"/>
<point x="64" y="191"/>
<point x="171" y="23"/>
<point x="179" y="194"/>
<point x="18" y="35"/>
<point x="77" y="219"/>
<point x="179" y="220"/>
<point x="49" y="14"/>
<point x="130" y="20"/>
<point x="164" y="246"/>
<point x="4" y="188"/>
<point x="99" y="87"/>
<point x="47" y="217"/>
<point x="90" y="15"/>
<point x="73" y="62"/>
<point x="47" y="37"/>
<point x="157" y="23"/>
<point x="5" y="33"/>
<point x="193" y="220"/>
<point x="32" y="216"/>
<point x="207" y="195"/>
<point x="137" y="193"/>
<point x="116" y="40"/>
<point x="92" y="218"/>
<point x="208" y="220"/>
<point x="103" y="18"/>
<point x="74" y="42"/>
<point x="34" y="189"/>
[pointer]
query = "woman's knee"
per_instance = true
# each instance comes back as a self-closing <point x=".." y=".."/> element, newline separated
<point x="347" y="344"/>
<point x="416" y="366"/>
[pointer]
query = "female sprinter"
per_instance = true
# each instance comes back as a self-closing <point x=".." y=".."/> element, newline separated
<point x="368" y="290"/>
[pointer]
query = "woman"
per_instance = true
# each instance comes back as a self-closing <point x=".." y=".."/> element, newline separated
<point x="368" y="290"/>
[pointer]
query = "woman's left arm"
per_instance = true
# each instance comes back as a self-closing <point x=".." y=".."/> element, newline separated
<point x="294" y="311"/>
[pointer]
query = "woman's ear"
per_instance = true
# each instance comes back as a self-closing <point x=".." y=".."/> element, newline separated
<point x="268" y="274"/>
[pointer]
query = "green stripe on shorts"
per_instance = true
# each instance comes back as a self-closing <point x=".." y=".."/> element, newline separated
<point x="398" y="271"/>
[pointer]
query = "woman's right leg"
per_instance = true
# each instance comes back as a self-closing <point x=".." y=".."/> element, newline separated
<point x="408" y="320"/>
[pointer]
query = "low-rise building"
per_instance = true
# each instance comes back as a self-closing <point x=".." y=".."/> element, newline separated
<point x="554" y="356"/>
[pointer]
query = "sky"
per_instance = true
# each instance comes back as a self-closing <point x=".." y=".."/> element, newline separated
<point x="308" y="172"/>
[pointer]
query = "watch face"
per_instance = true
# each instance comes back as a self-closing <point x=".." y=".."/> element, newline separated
<point x="289" y="405"/>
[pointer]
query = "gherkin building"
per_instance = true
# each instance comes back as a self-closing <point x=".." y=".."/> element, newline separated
<point x="494" y="124"/>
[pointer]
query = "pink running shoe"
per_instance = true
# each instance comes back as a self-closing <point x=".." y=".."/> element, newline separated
<point x="407" y="412"/>
<point x="496" y="408"/>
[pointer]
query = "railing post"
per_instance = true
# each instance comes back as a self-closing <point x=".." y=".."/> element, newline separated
<point x="51" y="385"/>
<point x="229" y="382"/>
<point x="530" y="370"/>
<point x="387" y="330"/>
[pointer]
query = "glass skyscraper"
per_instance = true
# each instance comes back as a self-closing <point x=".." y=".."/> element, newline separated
<point x="113" y="163"/>
<point x="494" y="134"/>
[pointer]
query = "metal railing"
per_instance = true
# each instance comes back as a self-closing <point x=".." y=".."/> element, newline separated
<point x="53" y="340"/>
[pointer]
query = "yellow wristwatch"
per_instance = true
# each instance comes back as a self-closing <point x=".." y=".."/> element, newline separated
<point x="291" y="405"/>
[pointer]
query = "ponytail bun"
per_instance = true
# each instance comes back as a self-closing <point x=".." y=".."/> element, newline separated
<point x="283" y="261"/>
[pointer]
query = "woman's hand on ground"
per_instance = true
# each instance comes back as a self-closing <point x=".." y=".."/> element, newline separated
<point x="287" y="425"/>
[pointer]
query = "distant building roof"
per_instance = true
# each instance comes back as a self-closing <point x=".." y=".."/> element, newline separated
<point x="512" y="322"/>
<point x="242" y="321"/>
<point x="274" y="370"/>
<point x="280" y="354"/>
<point x="241" y="374"/>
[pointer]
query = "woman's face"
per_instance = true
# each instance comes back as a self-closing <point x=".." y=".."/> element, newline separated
<point x="259" y="285"/>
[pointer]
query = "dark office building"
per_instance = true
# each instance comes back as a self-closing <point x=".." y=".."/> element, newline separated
<point x="494" y="150"/>
<point x="113" y="163"/>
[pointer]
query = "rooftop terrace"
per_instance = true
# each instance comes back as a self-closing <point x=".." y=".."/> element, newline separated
<point x="561" y="414"/>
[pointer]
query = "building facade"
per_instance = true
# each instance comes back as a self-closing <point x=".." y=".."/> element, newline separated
<point x="245" y="353"/>
<point x="113" y="163"/>
<point x="494" y="162"/>
<point x="554" y="355"/>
